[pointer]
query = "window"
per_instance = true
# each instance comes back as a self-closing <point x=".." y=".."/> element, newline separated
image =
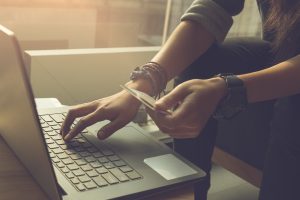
<point x="72" y="24"/>
<point x="63" y="24"/>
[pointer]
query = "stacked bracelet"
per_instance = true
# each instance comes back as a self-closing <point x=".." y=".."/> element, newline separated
<point x="154" y="73"/>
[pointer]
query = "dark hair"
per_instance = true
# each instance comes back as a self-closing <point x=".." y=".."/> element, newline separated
<point x="283" y="22"/>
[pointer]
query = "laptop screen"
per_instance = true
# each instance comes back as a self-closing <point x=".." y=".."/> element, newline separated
<point x="18" y="117"/>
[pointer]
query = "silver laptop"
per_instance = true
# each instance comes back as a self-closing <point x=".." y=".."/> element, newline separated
<point x="128" y="165"/>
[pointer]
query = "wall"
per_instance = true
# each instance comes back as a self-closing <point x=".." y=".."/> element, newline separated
<point x="76" y="76"/>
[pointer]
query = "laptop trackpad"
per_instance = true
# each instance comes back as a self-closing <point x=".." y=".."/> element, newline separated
<point x="169" y="167"/>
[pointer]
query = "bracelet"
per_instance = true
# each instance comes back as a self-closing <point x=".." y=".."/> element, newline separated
<point x="155" y="74"/>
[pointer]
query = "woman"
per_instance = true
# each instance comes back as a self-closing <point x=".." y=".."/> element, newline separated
<point x="265" y="69"/>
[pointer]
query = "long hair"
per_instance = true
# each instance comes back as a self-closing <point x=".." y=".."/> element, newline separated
<point x="283" y="22"/>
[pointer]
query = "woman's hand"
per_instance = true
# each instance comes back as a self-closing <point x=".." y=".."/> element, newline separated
<point x="194" y="102"/>
<point x="119" y="109"/>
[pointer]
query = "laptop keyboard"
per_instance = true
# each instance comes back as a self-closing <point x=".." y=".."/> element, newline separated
<point x="83" y="164"/>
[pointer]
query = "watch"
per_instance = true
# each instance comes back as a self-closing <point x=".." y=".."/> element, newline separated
<point x="235" y="100"/>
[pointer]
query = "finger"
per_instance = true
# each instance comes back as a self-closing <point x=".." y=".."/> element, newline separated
<point x="111" y="127"/>
<point x="171" y="99"/>
<point x="74" y="113"/>
<point x="84" y="122"/>
<point x="183" y="112"/>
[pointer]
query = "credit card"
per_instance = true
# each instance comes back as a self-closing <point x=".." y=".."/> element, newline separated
<point x="144" y="98"/>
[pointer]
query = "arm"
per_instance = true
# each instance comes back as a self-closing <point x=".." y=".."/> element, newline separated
<point x="277" y="81"/>
<point x="280" y="80"/>
<point x="204" y="22"/>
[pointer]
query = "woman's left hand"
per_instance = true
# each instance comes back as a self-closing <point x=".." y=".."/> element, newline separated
<point x="194" y="102"/>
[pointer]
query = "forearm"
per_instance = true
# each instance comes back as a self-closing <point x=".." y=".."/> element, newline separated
<point x="189" y="41"/>
<point x="186" y="43"/>
<point x="277" y="81"/>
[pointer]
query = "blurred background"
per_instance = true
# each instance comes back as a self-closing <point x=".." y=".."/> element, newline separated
<point x="73" y="24"/>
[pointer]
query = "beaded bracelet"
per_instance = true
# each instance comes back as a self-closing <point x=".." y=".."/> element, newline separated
<point x="155" y="74"/>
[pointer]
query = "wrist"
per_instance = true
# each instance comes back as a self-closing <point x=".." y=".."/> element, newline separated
<point x="234" y="99"/>
<point x="142" y="85"/>
<point x="220" y="87"/>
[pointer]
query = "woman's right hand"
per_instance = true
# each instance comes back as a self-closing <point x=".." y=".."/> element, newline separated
<point x="119" y="109"/>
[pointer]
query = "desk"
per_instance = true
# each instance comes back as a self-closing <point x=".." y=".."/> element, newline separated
<point x="16" y="183"/>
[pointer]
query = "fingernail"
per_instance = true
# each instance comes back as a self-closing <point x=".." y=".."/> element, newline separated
<point x="67" y="137"/>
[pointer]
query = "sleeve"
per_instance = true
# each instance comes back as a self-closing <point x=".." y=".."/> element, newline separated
<point x="214" y="15"/>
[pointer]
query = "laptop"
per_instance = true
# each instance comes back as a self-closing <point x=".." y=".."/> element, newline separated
<point x="128" y="165"/>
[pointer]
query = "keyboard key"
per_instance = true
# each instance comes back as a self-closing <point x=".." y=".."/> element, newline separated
<point x="90" y="159"/>
<point x="84" y="154"/>
<point x="49" y="141"/>
<point x="119" y="174"/>
<point x="58" y="118"/>
<point x="92" y="149"/>
<point x="72" y="167"/>
<point x="52" y="155"/>
<point x="126" y="169"/>
<point x="107" y="152"/>
<point x="119" y="163"/>
<point x="95" y="164"/>
<point x="41" y="120"/>
<point x="133" y="175"/>
<point x="108" y="165"/>
<point x="53" y="146"/>
<point x="101" y="170"/>
<point x="97" y="154"/>
<point x="90" y="185"/>
<point x="47" y="129"/>
<point x="78" y="172"/>
<point x="113" y="158"/>
<point x="44" y="125"/>
<point x="60" y="142"/>
<point x="52" y="123"/>
<point x="64" y="146"/>
<point x="46" y="118"/>
<point x="80" y="162"/>
<point x="56" y="127"/>
<point x="57" y="137"/>
<point x="70" y="175"/>
<point x="70" y="151"/>
<point x="100" y="181"/>
<point x="80" y="187"/>
<point x="51" y="133"/>
<point x="86" y="167"/>
<point x="62" y="156"/>
<point x="75" y="180"/>
<point x="55" y="160"/>
<point x="75" y="157"/>
<point x="103" y="160"/>
<point x="74" y="144"/>
<point x="46" y="136"/>
<point x="84" y="178"/>
<point x="60" y="164"/>
<point x="67" y="161"/>
<point x="65" y="170"/>
<point x="57" y="150"/>
<point x="110" y="178"/>
<point x="92" y="173"/>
